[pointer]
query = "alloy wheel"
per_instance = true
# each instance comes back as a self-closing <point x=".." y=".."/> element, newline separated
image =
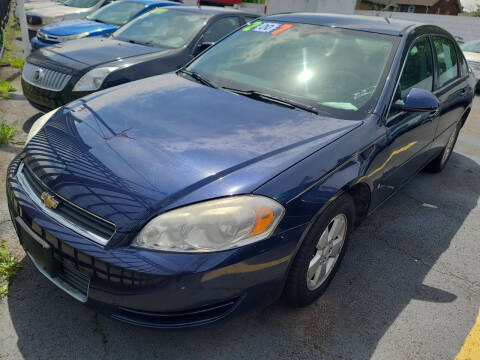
<point x="327" y="252"/>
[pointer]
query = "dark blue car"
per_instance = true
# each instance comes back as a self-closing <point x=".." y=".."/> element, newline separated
<point x="104" y="21"/>
<point x="182" y="198"/>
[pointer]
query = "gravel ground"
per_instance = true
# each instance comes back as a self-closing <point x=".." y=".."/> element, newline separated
<point x="408" y="288"/>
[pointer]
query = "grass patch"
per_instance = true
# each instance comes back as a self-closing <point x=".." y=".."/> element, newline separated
<point x="16" y="63"/>
<point x="6" y="133"/>
<point x="7" y="34"/>
<point x="9" y="266"/>
<point x="5" y="88"/>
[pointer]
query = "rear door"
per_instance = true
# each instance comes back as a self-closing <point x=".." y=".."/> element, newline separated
<point x="452" y="88"/>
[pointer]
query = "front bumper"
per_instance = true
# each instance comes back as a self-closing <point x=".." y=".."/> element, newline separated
<point x="160" y="290"/>
<point x="46" y="100"/>
<point x="38" y="43"/>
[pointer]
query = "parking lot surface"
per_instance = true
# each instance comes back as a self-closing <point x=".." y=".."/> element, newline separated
<point x="408" y="288"/>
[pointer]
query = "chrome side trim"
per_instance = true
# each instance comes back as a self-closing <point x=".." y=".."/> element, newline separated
<point x="58" y="218"/>
<point x="70" y="290"/>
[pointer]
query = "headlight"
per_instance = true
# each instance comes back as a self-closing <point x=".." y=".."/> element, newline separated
<point x="37" y="125"/>
<point x="49" y="19"/>
<point x="93" y="79"/>
<point x="212" y="225"/>
<point x="73" y="37"/>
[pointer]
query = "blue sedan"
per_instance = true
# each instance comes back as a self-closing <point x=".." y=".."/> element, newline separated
<point x="104" y="21"/>
<point x="180" y="199"/>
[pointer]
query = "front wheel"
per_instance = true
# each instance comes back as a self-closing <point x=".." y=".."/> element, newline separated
<point x="439" y="163"/>
<point x="321" y="253"/>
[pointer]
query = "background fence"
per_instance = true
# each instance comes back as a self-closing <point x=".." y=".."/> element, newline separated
<point x="4" y="10"/>
<point x="465" y="26"/>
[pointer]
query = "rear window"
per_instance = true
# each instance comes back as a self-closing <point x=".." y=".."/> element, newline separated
<point x="163" y="28"/>
<point x="118" y="13"/>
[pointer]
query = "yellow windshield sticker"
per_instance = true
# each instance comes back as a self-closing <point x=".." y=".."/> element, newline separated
<point x="250" y="27"/>
<point x="158" y="11"/>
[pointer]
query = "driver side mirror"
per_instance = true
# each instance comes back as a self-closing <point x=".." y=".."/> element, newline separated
<point x="418" y="100"/>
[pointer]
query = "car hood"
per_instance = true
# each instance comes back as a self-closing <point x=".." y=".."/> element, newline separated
<point x="57" y="11"/>
<point x="39" y="5"/>
<point x="472" y="56"/>
<point x="78" y="26"/>
<point x="93" y="51"/>
<point x="131" y="152"/>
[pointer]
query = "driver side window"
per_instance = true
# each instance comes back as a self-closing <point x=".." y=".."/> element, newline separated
<point x="417" y="72"/>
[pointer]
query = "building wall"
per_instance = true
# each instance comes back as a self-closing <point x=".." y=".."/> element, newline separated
<point x="443" y="7"/>
<point x="464" y="26"/>
<point x="336" y="6"/>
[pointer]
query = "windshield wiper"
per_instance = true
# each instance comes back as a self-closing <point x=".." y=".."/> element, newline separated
<point x="292" y="104"/>
<point x="198" y="77"/>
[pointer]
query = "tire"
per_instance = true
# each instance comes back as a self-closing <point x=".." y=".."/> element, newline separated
<point x="300" y="291"/>
<point x="439" y="163"/>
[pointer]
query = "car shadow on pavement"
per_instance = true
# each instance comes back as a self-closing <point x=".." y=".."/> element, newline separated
<point x="385" y="268"/>
<point x="27" y="125"/>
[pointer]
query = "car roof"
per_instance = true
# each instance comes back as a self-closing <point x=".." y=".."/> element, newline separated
<point x="377" y="24"/>
<point x="211" y="10"/>
<point x="150" y="2"/>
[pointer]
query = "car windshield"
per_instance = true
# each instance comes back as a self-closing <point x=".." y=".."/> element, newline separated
<point x="471" y="46"/>
<point x="338" y="71"/>
<point x="163" y="28"/>
<point x="118" y="13"/>
<point x="81" y="3"/>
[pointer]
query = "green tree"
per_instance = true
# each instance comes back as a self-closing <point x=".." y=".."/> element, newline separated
<point x="476" y="12"/>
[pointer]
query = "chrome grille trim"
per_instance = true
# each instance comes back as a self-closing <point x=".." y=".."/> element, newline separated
<point x="48" y="80"/>
<point x="55" y="216"/>
<point x="41" y="35"/>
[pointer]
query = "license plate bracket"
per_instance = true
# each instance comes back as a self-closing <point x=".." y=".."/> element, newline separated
<point x="38" y="248"/>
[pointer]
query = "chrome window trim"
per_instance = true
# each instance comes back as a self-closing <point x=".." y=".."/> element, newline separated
<point x="55" y="216"/>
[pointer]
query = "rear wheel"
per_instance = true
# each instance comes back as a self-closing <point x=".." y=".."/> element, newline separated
<point x="439" y="163"/>
<point x="321" y="253"/>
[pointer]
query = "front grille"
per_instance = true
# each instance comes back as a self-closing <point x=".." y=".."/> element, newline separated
<point x="75" y="278"/>
<point x="72" y="214"/>
<point x="45" y="78"/>
<point x="34" y="20"/>
<point x="78" y="266"/>
<point x="49" y="39"/>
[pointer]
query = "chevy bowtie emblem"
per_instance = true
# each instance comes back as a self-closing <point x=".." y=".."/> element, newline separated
<point x="49" y="200"/>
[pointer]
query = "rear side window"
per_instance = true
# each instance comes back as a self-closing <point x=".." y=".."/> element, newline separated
<point x="418" y="70"/>
<point x="447" y="61"/>
<point x="250" y="18"/>
<point x="221" y="28"/>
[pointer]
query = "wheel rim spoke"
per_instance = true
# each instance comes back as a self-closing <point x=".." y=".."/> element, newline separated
<point x="336" y="229"/>
<point x="321" y="271"/>
<point x="337" y="247"/>
<point x="323" y="242"/>
<point x="315" y="263"/>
